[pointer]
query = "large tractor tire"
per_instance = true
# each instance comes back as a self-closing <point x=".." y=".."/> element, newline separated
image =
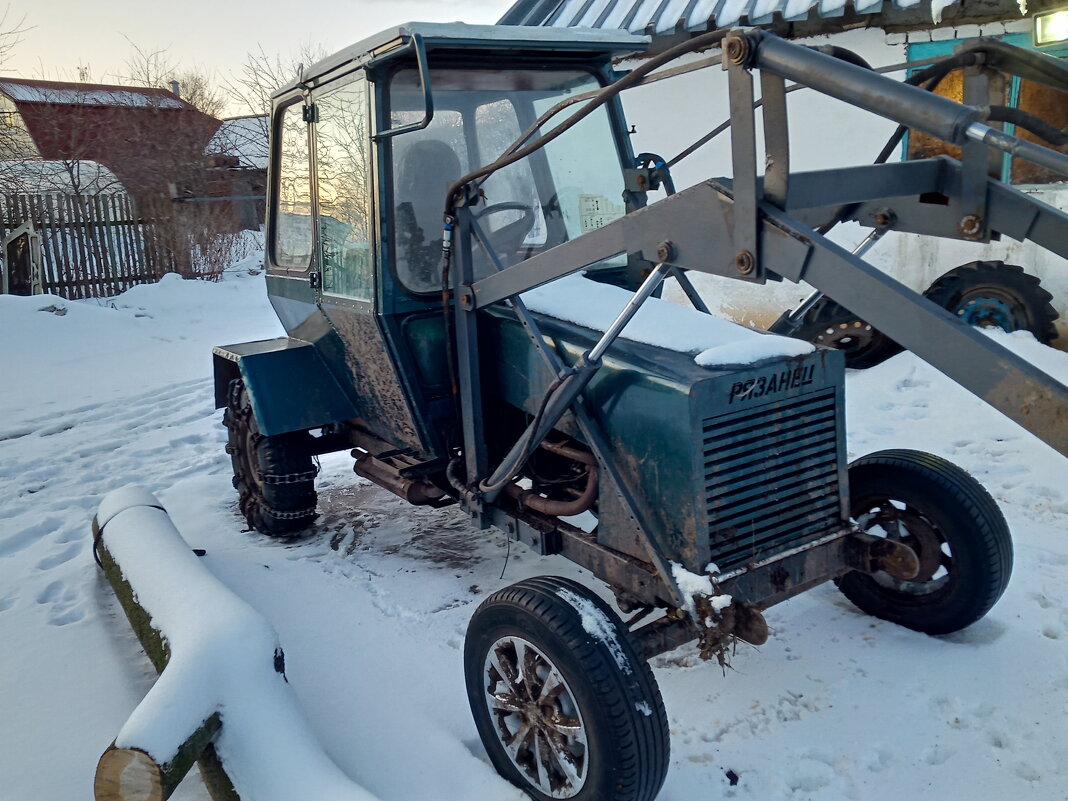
<point x="274" y="476"/>
<point x="564" y="705"/>
<point x="953" y="525"/>
<point x="992" y="294"/>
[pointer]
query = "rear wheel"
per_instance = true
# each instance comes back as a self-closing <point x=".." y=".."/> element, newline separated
<point x="832" y="325"/>
<point x="992" y="294"/>
<point x="274" y="476"/>
<point x="564" y="706"/>
<point x="953" y="525"/>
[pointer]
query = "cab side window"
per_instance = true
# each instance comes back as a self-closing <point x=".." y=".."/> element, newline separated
<point x="292" y="237"/>
<point x="343" y="178"/>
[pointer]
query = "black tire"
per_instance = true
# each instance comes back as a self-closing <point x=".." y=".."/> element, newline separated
<point x="274" y="476"/>
<point x="953" y="525"/>
<point x="995" y="294"/>
<point x="607" y="690"/>
<point x="832" y="325"/>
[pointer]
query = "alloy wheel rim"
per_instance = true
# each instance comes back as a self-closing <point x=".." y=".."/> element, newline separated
<point x="535" y="717"/>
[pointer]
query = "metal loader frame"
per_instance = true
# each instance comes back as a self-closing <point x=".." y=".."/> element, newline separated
<point x="773" y="228"/>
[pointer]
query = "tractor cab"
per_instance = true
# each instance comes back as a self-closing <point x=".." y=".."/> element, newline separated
<point x="364" y="148"/>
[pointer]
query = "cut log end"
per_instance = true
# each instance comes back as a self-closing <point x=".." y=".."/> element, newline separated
<point x="127" y="774"/>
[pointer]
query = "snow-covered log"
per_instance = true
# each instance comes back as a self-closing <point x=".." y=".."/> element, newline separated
<point x="222" y="698"/>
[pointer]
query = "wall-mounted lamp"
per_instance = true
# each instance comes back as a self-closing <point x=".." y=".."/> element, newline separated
<point x="1051" y="27"/>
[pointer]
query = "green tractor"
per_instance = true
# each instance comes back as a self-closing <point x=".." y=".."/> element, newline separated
<point x="469" y="286"/>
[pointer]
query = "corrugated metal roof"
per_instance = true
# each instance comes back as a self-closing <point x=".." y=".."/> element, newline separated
<point x="658" y="17"/>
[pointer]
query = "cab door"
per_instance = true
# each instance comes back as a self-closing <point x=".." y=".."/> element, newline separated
<point x="346" y="256"/>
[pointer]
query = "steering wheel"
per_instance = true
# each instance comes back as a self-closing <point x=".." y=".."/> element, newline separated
<point x="509" y="238"/>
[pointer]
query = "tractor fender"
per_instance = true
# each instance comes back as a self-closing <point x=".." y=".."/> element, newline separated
<point x="288" y="383"/>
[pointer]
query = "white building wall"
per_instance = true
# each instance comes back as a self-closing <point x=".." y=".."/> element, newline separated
<point x="670" y="115"/>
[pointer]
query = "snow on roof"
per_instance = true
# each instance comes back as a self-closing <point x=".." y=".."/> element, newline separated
<point x="88" y="94"/>
<point x="62" y="177"/>
<point x="244" y="137"/>
<point x="669" y="16"/>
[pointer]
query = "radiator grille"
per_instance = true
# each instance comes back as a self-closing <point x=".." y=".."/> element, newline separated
<point x="771" y="477"/>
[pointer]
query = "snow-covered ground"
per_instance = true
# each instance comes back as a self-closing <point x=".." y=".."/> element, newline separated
<point x="372" y="606"/>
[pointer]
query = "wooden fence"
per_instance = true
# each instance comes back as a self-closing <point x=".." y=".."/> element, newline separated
<point x="93" y="246"/>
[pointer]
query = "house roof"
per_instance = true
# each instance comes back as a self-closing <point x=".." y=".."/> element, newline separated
<point x="35" y="176"/>
<point x="244" y="137"/>
<point x="660" y="18"/>
<point x="25" y="90"/>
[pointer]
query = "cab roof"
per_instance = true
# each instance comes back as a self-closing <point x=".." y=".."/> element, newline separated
<point x="392" y="43"/>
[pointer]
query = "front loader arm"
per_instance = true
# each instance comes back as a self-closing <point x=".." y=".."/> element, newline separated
<point x="752" y="228"/>
<point x="694" y="229"/>
<point x="1014" y="386"/>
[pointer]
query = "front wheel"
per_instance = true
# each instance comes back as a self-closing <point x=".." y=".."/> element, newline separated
<point x="953" y="525"/>
<point x="565" y="707"/>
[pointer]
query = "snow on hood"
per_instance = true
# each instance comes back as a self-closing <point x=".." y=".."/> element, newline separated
<point x="713" y="341"/>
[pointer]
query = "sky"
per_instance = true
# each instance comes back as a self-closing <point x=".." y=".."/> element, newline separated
<point x="62" y="36"/>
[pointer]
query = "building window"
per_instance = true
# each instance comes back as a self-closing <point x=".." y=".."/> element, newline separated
<point x="1044" y="102"/>
<point x="8" y="120"/>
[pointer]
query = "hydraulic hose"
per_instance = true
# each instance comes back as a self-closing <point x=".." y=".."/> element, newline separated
<point x="1029" y="122"/>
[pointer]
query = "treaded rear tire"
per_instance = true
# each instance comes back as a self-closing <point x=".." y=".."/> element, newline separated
<point x="270" y="505"/>
<point x="975" y="557"/>
<point x="613" y="688"/>
<point x="1005" y="290"/>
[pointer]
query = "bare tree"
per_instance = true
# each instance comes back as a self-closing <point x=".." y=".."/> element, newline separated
<point x="197" y="88"/>
<point x="156" y="69"/>
<point x="261" y="74"/>
<point x="15" y="143"/>
<point x="11" y="31"/>
<point x="145" y="67"/>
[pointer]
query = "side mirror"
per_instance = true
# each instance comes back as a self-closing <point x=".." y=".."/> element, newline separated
<point x="416" y="44"/>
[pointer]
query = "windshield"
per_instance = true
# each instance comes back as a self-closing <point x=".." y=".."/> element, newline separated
<point x="571" y="186"/>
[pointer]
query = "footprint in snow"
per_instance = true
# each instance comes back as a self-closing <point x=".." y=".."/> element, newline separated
<point x="8" y="601"/>
<point x="938" y="755"/>
<point x="1026" y="772"/>
<point x="878" y="760"/>
<point x="1000" y="740"/>
<point x="62" y="602"/>
<point x="60" y="557"/>
<point x="28" y="536"/>
<point x="812" y="774"/>
<point x="1052" y="632"/>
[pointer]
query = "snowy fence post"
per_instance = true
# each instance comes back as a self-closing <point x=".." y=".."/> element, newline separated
<point x="129" y="772"/>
